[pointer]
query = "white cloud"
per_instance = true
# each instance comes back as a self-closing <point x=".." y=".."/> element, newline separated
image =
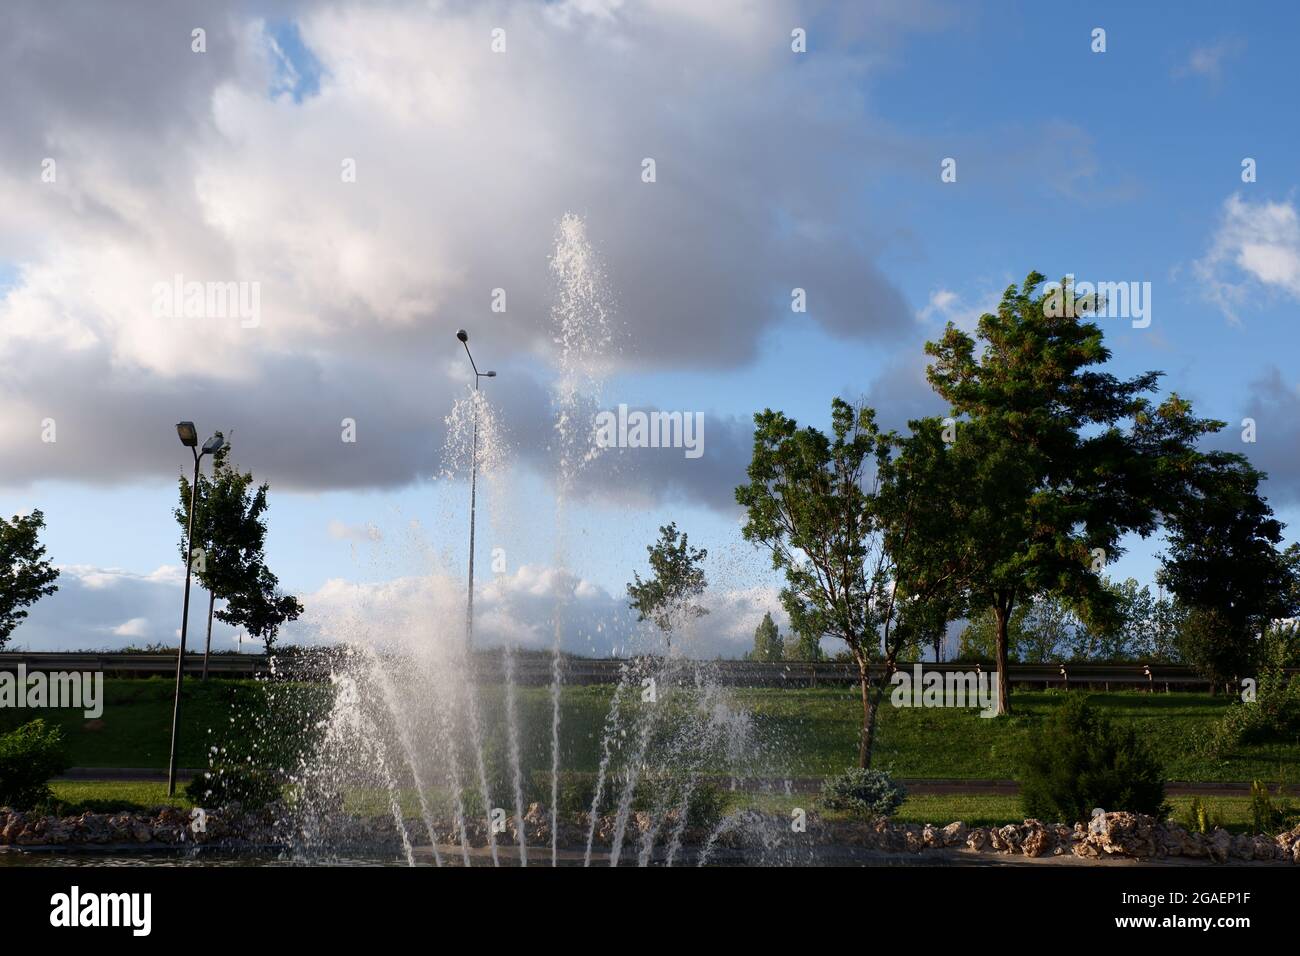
<point x="946" y="305"/>
<point x="1255" y="248"/>
<point x="136" y="627"/>
<point x="342" y="531"/>
<point x="1207" y="61"/>
<point x="108" y="608"/>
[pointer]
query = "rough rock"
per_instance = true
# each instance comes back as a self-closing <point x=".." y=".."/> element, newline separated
<point x="1036" y="839"/>
<point x="1219" y="845"/>
<point x="954" y="834"/>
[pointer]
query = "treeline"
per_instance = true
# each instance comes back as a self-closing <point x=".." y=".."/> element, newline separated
<point x="1006" y="512"/>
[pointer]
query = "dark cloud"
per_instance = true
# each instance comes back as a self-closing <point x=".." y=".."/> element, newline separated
<point x="172" y="162"/>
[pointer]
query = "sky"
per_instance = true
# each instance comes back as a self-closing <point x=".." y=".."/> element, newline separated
<point x="375" y="172"/>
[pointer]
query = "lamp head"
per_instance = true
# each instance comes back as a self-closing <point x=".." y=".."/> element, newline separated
<point x="489" y="374"/>
<point x="462" y="335"/>
<point x="189" y="436"/>
<point x="214" y="444"/>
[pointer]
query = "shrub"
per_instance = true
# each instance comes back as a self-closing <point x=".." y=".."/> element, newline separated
<point x="220" y="786"/>
<point x="1201" y="817"/>
<point x="704" y="807"/>
<point x="1273" y="715"/>
<point x="29" y="757"/>
<point x="866" y="793"/>
<point x="1270" y="813"/>
<point x="1081" y="760"/>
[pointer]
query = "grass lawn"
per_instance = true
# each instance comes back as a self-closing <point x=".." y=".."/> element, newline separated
<point x="100" y="795"/>
<point x="805" y="732"/>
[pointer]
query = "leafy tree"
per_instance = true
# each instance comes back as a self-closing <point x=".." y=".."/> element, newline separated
<point x="1223" y="563"/>
<point x="668" y="596"/>
<point x="1057" y="464"/>
<point x="921" y="493"/>
<point x="1133" y="634"/>
<point x="805" y="647"/>
<point x="230" y="527"/>
<point x="259" y="606"/>
<point x="767" y="641"/>
<point x="807" y="504"/>
<point x="1040" y="630"/>
<point x="25" y="575"/>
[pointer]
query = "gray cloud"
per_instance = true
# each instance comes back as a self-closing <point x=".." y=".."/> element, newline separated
<point x="172" y="162"/>
<point x="1275" y="406"/>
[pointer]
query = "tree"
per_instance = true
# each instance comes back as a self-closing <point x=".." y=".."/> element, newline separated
<point x="1056" y="466"/>
<point x="1223" y="563"/>
<point x="668" y="596"/>
<point x="1134" y="634"/>
<point x="805" y="647"/>
<point x="227" y="527"/>
<point x="25" y="575"/>
<point x="230" y="527"/>
<point x="259" y="606"/>
<point x="768" y="646"/>
<point x="1041" y="629"/>
<point x="806" y="503"/>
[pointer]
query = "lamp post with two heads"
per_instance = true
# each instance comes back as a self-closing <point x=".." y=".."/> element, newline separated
<point x="189" y="437"/>
<point x="473" y="483"/>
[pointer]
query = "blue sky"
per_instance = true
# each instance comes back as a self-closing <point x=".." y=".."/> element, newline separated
<point x="776" y="170"/>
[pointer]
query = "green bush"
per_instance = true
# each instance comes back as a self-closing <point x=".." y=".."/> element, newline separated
<point x="1201" y="817"/>
<point x="704" y="808"/>
<point x="866" y="793"/>
<point x="220" y="786"/>
<point x="1274" y="714"/>
<point x="29" y="757"/>
<point x="1271" y="813"/>
<point x="1082" y="759"/>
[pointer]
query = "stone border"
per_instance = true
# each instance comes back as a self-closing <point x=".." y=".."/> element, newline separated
<point x="1112" y="836"/>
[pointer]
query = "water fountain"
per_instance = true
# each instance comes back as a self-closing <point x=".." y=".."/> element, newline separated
<point x="439" y="742"/>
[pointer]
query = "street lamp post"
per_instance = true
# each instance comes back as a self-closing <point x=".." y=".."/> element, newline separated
<point x="189" y="437"/>
<point x="473" y="488"/>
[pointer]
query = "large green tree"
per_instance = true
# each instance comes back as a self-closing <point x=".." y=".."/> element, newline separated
<point x="668" y="598"/>
<point x="1057" y="464"/>
<point x="811" y="502"/>
<point x="25" y="575"/>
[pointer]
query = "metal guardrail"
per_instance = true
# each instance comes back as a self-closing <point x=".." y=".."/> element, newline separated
<point x="534" y="669"/>
<point x="135" y="665"/>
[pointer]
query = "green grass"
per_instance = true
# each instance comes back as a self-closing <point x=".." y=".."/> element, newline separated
<point x="807" y="732"/>
<point x="103" y="795"/>
<point x="135" y="728"/>
<point x="818" y="730"/>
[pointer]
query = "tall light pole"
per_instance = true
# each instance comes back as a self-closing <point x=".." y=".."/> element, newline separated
<point x="189" y="437"/>
<point x="473" y="489"/>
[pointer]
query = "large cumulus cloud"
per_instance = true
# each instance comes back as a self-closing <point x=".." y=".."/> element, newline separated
<point x="213" y="167"/>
